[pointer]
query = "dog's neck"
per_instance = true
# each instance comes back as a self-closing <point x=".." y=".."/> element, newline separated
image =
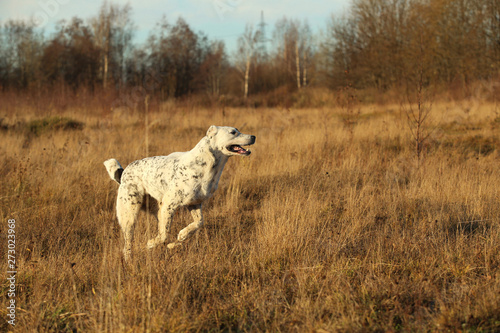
<point x="210" y="157"/>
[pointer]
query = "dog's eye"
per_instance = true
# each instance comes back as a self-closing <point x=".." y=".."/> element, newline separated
<point x="233" y="132"/>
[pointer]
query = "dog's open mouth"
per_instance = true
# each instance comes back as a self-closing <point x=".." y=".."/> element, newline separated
<point x="237" y="149"/>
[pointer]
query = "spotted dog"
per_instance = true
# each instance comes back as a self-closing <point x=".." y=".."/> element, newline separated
<point x="179" y="179"/>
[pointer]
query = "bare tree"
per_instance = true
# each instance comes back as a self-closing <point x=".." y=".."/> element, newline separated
<point x="71" y="57"/>
<point x="286" y="54"/>
<point x="112" y="35"/>
<point x="293" y="51"/>
<point x="492" y="32"/>
<point x="246" y="54"/>
<point x="177" y="53"/>
<point x="418" y="112"/>
<point x="22" y="46"/>
<point x="213" y="68"/>
<point x="306" y="46"/>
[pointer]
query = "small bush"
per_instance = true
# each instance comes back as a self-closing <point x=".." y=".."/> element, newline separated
<point x="52" y="123"/>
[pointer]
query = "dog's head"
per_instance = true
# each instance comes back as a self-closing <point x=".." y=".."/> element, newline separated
<point x="229" y="140"/>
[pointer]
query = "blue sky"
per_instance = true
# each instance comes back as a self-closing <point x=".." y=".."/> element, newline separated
<point x="219" y="19"/>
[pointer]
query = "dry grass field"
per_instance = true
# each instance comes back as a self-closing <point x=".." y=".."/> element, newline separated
<point x="322" y="229"/>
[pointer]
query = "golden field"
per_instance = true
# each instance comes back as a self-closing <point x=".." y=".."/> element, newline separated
<point x="328" y="226"/>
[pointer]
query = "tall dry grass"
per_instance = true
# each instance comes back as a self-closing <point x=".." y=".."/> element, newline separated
<point x="318" y="230"/>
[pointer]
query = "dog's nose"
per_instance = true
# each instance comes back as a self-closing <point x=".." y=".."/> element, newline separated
<point x="252" y="137"/>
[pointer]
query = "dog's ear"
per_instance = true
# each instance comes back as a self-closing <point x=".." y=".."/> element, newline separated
<point x="212" y="131"/>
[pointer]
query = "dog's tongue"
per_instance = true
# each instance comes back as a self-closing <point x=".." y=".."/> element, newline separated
<point x="239" y="149"/>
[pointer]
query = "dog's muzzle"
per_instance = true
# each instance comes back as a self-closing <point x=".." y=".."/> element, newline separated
<point x="238" y="149"/>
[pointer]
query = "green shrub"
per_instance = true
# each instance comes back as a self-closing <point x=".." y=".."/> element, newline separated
<point x="52" y="123"/>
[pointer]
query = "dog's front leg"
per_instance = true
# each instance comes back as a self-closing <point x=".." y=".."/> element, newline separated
<point x="191" y="228"/>
<point x="165" y="215"/>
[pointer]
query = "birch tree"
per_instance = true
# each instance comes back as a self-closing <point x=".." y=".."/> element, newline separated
<point x="112" y="29"/>
<point x="246" y="55"/>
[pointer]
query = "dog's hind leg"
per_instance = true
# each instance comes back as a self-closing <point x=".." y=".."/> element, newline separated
<point x="128" y="205"/>
<point x="191" y="228"/>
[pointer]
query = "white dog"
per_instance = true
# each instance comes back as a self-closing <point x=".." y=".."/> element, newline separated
<point x="179" y="179"/>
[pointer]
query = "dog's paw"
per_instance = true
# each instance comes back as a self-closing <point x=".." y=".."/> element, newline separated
<point x="151" y="243"/>
<point x="127" y="256"/>
<point x="170" y="246"/>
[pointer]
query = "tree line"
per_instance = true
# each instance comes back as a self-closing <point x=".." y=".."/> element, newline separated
<point x="385" y="42"/>
<point x="382" y="44"/>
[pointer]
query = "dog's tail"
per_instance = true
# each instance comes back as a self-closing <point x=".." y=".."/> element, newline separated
<point x="114" y="169"/>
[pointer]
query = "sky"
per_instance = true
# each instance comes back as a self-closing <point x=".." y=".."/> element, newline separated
<point x="218" y="19"/>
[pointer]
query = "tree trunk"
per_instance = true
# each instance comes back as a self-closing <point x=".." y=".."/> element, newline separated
<point x="304" y="74"/>
<point x="297" y="63"/>
<point x="105" y="74"/>
<point x="247" y="75"/>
